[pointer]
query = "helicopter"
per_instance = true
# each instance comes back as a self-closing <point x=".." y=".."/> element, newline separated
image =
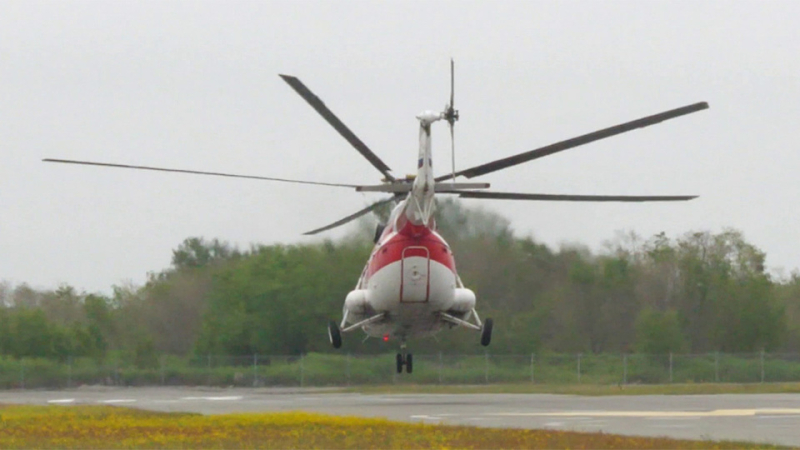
<point x="409" y="287"/>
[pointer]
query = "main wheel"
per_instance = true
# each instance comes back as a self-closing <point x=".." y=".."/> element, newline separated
<point x="486" y="333"/>
<point x="334" y="334"/>
<point x="399" y="363"/>
<point x="409" y="363"/>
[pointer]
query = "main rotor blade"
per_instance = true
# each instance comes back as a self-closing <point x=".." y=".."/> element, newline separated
<point x="575" y="198"/>
<point x="196" y="172"/>
<point x="351" y="217"/>
<point x="575" y="142"/>
<point x="331" y="118"/>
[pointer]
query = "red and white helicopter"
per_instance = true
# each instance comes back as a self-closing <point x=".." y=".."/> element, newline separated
<point x="409" y="287"/>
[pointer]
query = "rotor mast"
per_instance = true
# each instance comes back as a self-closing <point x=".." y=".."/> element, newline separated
<point x="422" y="190"/>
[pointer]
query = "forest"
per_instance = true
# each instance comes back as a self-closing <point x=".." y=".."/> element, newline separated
<point x="698" y="292"/>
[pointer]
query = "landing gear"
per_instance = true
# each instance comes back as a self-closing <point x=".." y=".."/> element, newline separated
<point x="404" y="359"/>
<point x="486" y="332"/>
<point x="334" y="334"/>
<point x="484" y="327"/>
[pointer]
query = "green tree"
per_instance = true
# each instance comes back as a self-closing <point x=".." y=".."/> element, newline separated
<point x="6" y="334"/>
<point x="196" y="252"/>
<point x="659" y="333"/>
<point x="32" y="334"/>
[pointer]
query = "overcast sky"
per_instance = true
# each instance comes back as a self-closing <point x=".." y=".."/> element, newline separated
<point x="194" y="85"/>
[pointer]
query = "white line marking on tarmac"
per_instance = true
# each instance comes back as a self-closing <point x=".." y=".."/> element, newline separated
<point x="658" y="414"/>
<point x="424" y="417"/>
<point x="213" y="399"/>
<point x="118" y="400"/>
<point x="771" y="417"/>
<point x="674" y="418"/>
<point x="62" y="400"/>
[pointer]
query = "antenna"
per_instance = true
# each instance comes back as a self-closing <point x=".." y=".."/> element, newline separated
<point x="451" y="115"/>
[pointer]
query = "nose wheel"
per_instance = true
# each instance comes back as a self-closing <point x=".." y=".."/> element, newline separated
<point x="404" y="359"/>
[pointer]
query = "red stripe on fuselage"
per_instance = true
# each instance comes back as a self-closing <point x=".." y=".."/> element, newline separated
<point x="391" y="250"/>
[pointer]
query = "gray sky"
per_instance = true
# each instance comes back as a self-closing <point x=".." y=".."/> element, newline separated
<point x="194" y="85"/>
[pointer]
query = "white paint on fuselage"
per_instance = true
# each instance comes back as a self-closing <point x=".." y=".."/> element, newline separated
<point x="408" y="320"/>
<point x="415" y="278"/>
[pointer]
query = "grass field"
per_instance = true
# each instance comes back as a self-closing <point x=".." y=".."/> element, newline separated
<point x="89" y="427"/>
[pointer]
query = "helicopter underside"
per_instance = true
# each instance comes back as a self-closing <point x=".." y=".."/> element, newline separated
<point x="411" y="293"/>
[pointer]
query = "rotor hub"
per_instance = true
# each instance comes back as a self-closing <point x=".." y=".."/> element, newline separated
<point x="451" y="115"/>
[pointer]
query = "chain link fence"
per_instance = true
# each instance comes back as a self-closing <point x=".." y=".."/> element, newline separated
<point x="356" y="370"/>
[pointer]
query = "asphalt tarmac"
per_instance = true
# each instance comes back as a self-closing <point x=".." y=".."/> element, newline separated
<point x="767" y="418"/>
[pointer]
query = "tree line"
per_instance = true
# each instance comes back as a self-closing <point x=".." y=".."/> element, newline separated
<point x="698" y="292"/>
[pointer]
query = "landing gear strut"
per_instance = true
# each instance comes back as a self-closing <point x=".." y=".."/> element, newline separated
<point x="404" y="359"/>
<point x="484" y="327"/>
<point x="334" y="334"/>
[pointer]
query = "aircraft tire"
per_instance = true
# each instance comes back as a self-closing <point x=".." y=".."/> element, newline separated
<point x="486" y="333"/>
<point x="409" y="363"/>
<point x="399" y="363"/>
<point x="334" y="334"/>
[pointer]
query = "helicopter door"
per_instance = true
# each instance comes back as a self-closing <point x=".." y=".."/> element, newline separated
<point x="415" y="266"/>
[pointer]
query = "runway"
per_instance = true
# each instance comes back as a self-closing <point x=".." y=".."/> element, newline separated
<point x="767" y="418"/>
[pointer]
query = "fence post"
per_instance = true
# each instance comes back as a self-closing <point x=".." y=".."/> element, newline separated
<point x="579" y="367"/>
<point x="21" y="374"/>
<point x="762" y="366"/>
<point x="255" y="369"/>
<point x="624" y="368"/>
<point x="161" y="369"/>
<point x="716" y="367"/>
<point x="302" y="372"/>
<point x="69" y="372"/>
<point x="486" y="366"/>
<point x="440" y="367"/>
<point x="532" y="379"/>
<point x="670" y="367"/>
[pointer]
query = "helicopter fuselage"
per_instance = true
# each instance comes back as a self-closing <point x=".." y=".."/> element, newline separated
<point x="410" y="284"/>
<point x="410" y="278"/>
